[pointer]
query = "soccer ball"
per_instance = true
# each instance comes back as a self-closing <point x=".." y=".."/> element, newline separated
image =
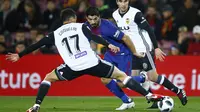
<point x="166" y="105"/>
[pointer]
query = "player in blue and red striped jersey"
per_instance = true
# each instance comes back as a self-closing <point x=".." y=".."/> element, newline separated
<point x="123" y="59"/>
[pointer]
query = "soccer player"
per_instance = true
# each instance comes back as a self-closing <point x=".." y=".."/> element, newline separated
<point x="131" y="21"/>
<point x="122" y="59"/>
<point x="71" y="40"/>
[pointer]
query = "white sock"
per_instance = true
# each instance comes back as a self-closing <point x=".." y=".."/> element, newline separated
<point x="178" y="91"/>
<point x="36" y="105"/>
<point x="149" y="94"/>
<point x="126" y="80"/>
<point x="146" y="85"/>
<point x="46" y="82"/>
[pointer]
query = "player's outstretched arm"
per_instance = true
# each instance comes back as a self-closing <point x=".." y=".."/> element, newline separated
<point x="126" y="39"/>
<point x="99" y="39"/>
<point x="15" y="57"/>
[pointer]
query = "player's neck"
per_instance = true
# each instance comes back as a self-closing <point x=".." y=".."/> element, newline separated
<point x="124" y="12"/>
<point x="99" y="23"/>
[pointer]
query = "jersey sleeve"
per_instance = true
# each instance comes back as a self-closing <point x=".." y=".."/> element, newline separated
<point x="51" y="38"/>
<point x="113" y="31"/>
<point x="48" y="40"/>
<point x="143" y="24"/>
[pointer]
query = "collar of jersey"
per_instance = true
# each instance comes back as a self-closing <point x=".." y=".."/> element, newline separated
<point x="123" y="13"/>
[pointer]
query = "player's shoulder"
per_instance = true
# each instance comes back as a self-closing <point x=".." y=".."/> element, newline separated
<point x="133" y="9"/>
<point x="106" y="22"/>
<point x="115" y="13"/>
<point x="69" y="25"/>
<point x="87" y="24"/>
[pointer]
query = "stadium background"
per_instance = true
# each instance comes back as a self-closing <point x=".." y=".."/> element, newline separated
<point x="23" y="22"/>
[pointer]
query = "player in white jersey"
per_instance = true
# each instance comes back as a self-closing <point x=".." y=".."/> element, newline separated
<point x="72" y="42"/>
<point x="131" y="21"/>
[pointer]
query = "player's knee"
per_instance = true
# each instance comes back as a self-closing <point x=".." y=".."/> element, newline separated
<point x="135" y="72"/>
<point x="117" y="74"/>
<point x="51" y="77"/>
<point x="105" y="80"/>
<point x="121" y="85"/>
<point x="153" y="78"/>
<point x="120" y="76"/>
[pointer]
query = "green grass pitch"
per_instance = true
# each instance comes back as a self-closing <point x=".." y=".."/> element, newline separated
<point x="87" y="104"/>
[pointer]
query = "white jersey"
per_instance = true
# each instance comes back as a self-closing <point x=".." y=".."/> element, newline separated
<point x="74" y="47"/>
<point x="130" y="28"/>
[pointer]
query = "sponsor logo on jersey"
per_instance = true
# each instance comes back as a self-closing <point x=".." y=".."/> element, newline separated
<point x="145" y="66"/>
<point x="81" y="54"/>
<point x="124" y="28"/>
<point x="127" y="20"/>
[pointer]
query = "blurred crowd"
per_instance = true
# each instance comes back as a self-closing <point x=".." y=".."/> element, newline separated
<point x="176" y="23"/>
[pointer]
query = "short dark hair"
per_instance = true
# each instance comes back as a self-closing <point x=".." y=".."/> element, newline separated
<point x="92" y="11"/>
<point x="67" y="13"/>
<point x="118" y="0"/>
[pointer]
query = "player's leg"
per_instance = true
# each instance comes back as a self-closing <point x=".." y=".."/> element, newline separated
<point x="169" y="85"/>
<point x="133" y="85"/>
<point x="136" y="68"/>
<point x="139" y="65"/>
<point x="154" y="77"/>
<point x="61" y="73"/>
<point x="43" y="90"/>
<point x="125" y="65"/>
<point x="145" y="84"/>
<point x="114" y="87"/>
<point x="107" y="70"/>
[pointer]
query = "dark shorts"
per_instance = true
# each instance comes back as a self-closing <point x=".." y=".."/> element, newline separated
<point x="122" y="62"/>
<point x="144" y="64"/>
<point x="102" y="69"/>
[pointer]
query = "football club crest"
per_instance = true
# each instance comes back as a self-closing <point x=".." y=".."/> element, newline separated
<point x="127" y="21"/>
<point x="145" y="66"/>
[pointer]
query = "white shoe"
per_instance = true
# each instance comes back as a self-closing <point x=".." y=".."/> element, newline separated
<point x="35" y="108"/>
<point x="146" y="85"/>
<point x="125" y="106"/>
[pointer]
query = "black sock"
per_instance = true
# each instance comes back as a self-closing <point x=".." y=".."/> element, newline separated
<point x="42" y="91"/>
<point x="150" y="90"/>
<point x="133" y="85"/>
<point x="166" y="83"/>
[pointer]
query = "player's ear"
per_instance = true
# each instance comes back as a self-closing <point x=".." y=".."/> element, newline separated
<point x="86" y="16"/>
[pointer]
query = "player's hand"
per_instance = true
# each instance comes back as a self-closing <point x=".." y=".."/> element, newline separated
<point x="139" y="55"/>
<point x="113" y="48"/>
<point x="160" y="55"/>
<point x="13" y="57"/>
